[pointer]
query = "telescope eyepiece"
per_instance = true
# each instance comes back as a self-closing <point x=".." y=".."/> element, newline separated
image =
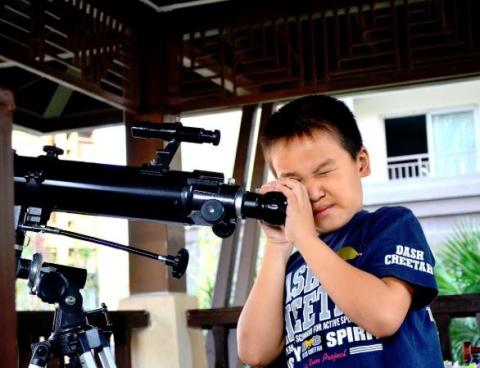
<point x="270" y="207"/>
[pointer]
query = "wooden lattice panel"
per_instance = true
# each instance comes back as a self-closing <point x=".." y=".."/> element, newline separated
<point x="441" y="31"/>
<point x="356" y="44"/>
<point x="73" y="41"/>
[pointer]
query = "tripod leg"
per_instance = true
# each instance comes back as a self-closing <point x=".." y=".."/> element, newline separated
<point x="106" y="358"/>
<point x="85" y="350"/>
<point x="94" y="339"/>
<point x="87" y="360"/>
<point x="40" y="355"/>
<point x="105" y="355"/>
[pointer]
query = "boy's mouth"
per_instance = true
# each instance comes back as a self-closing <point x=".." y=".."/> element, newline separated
<point x="319" y="211"/>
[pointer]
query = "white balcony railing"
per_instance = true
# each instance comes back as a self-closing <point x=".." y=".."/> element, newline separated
<point x="418" y="166"/>
<point x="409" y="166"/>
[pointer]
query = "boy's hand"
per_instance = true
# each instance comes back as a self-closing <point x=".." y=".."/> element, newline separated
<point x="275" y="234"/>
<point x="299" y="223"/>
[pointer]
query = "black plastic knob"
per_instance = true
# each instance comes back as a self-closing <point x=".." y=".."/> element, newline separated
<point x="53" y="151"/>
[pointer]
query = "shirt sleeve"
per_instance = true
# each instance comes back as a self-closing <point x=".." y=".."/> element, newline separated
<point x="396" y="246"/>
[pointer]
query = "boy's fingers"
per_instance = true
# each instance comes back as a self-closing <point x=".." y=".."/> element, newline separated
<point x="296" y="187"/>
<point x="287" y="192"/>
<point x="267" y="187"/>
<point x="291" y="183"/>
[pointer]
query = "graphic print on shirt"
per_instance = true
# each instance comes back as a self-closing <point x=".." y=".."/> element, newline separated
<point x="317" y="331"/>
<point x="409" y="257"/>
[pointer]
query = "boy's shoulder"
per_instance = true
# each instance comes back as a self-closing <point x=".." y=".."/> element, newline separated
<point x="385" y="219"/>
<point x="389" y="213"/>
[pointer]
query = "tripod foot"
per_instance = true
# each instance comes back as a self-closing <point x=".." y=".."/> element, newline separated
<point x="40" y="355"/>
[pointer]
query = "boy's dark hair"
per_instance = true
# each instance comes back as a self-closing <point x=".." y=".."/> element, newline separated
<point x="303" y="116"/>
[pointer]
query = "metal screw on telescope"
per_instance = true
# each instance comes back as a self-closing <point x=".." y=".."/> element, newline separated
<point x="70" y="300"/>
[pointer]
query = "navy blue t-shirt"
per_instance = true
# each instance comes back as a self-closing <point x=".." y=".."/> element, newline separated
<point x="387" y="242"/>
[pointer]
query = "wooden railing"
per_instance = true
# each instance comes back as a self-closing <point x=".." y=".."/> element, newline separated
<point x="444" y="308"/>
<point x="34" y="325"/>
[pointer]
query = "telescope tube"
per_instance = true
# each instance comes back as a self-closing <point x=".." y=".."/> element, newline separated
<point x="137" y="192"/>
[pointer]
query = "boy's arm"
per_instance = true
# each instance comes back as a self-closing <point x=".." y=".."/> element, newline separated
<point x="260" y="329"/>
<point x="377" y="305"/>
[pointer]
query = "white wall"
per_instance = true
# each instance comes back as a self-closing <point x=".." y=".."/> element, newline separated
<point x="439" y="203"/>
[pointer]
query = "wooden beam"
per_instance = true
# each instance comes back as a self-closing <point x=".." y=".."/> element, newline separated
<point x="228" y="251"/>
<point x="60" y="98"/>
<point x="226" y="262"/>
<point x="8" y="332"/>
<point x="88" y="119"/>
<point x="234" y="13"/>
<point x="251" y="233"/>
<point x="356" y="83"/>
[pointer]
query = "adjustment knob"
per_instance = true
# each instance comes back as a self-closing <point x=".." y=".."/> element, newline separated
<point x="212" y="211"/>
<point x="53" y="151"/>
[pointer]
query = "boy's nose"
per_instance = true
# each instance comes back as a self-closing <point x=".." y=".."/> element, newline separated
<point x="315" y="192"/>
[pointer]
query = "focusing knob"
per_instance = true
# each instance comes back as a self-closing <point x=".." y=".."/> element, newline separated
<point x="212" y="211"/>
<point x="223" y="229"/>
<point x="53" y="151"/>
<point x="181" y="263"/>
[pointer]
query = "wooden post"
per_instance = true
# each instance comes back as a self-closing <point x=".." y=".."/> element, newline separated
<point x="226" y="262"/>
<point x="8" y="332"/>
<point x="251" y="238"/>
<point x="228" y="251"/>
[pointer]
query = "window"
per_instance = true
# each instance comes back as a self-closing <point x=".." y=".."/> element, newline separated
<point x="407" y="148"/>
<point x="436" y="144"/>
<point x="453" y="143"/>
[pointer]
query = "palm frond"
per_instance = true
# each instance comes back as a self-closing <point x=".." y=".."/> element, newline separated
<point x="458" y="272"/>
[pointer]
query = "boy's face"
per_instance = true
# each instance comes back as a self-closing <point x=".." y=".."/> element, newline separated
<point x="328" y="172"/>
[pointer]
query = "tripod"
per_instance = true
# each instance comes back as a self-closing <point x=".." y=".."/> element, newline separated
<point x="72" y="336"/>
<point x="77" y="345"/>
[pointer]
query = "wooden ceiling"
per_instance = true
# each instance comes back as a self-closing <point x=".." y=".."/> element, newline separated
<point x="204" y="54"/>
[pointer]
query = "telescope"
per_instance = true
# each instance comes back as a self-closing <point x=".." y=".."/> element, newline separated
<point x="151" y="192"/>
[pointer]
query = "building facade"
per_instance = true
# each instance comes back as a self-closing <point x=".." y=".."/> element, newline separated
<point x="424" y="145"/>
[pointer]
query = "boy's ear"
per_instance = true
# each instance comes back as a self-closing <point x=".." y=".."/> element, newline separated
<point x="363" y="161"/>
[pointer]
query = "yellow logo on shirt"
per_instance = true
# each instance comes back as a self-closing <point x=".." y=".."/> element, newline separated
<point x="308" y="343"/>
<point x="348" y="253"/>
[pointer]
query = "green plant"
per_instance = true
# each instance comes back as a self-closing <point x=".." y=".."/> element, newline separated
<point x="458" y="272"/>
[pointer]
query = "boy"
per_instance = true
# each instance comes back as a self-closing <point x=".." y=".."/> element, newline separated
<point x="356" y="292"/>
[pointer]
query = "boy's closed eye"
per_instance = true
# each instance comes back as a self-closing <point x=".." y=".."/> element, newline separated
<point x="295" y="178"/>
<point x="324" y="172"/>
